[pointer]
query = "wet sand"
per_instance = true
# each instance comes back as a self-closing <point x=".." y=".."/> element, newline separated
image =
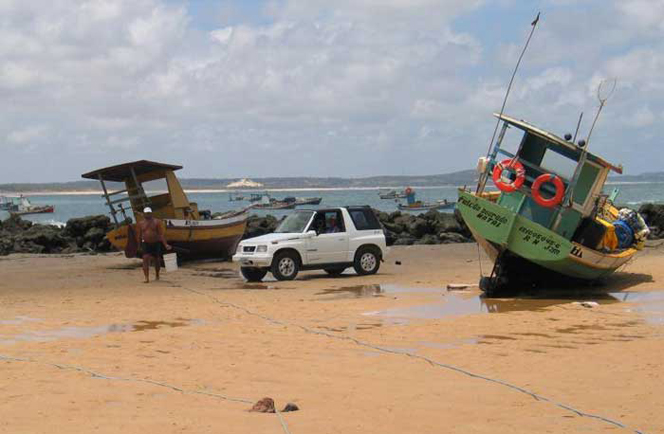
<point x="88" y="348"/>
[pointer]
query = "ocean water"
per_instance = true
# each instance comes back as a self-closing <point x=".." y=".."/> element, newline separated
<point x="79" y="205"/>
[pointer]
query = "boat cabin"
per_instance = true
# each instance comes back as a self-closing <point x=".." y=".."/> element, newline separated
<point x="582" y="173"/>
<point x="172" y="204"/>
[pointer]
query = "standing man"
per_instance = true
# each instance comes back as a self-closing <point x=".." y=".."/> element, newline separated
<point x="150" y="235"/>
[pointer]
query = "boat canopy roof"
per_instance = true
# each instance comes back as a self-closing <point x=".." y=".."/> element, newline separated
<point x="523" y="125"/>
<point x="123" y="171"/>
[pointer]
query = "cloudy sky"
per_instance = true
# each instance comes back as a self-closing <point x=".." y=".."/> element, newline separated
<point x="316" y="87"/>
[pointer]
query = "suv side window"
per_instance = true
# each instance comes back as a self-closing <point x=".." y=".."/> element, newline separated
<point x="364" y="219"/>
<point x="328" y="222"/>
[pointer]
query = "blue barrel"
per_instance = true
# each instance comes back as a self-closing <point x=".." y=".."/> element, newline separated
<point x="624" y="234"/>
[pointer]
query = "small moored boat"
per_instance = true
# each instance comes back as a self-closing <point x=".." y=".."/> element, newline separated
<point x="22" y="206"/>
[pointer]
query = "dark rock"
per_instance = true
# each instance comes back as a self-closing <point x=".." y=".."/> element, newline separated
<point x="265" y="405"/>
<point x="290" y="407"/>
<point x="653" y="214"/>
<point x="452" y="237"/>
<point x="393" y="227"/>
<point x="405" y="240"/>
<point x="95" y="235"/>
<point x="16" y="224"/>
<point x="428" y="239"/>
<point x="419" y="228"/>
<point x="78" y="227"/>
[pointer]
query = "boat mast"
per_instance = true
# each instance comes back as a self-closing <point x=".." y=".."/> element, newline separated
<point x="483" y="178"/>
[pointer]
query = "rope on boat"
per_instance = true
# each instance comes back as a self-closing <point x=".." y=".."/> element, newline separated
<point x="175" y="388"/>
<point x="432" y="362"/>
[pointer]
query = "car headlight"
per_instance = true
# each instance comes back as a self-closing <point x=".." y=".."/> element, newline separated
<point x="261" y="249"/>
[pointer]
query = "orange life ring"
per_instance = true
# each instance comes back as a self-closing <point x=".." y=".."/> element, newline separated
<point x="509" y="187"/>
<point x="537" y="194"/>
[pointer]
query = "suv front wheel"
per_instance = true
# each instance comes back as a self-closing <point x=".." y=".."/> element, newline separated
<point x="253" y="274"/>
<point x="285" y="266"/>
<point x="367" y="261"/>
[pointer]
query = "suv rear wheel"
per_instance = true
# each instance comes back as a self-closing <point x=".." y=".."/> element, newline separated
<point x="285" y="266"/>
<point x="253" y="274"/>
<point x="367" y="261"/>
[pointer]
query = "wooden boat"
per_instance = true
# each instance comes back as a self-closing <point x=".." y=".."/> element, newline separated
<point x="417" y="205"/>
<point x="393" y="194"/>
<point x="550" y="211"/>
<point x="184" y="227"/>
<point x="426" y="206"/>
<point x="235" y="197"/>
<point x="22" y="206"/>
<point x="300" y="201"/>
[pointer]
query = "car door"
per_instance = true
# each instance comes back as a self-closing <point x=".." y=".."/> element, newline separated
<point x="331" y="243"/>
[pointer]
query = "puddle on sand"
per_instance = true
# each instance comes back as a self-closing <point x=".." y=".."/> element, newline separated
<point x="88" y="332"/>
<point x="360" y="291"/>
<point x="451" y="305"/>
<point x="17" y="320"/>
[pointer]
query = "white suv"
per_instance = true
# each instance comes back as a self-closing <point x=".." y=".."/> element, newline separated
<point x="327" y="239"/>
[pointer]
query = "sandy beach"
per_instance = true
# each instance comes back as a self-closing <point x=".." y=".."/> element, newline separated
<point x="87" y="347"/>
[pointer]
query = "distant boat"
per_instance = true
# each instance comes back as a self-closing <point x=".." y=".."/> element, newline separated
<point x="258" y="197"/>
<point x="268" y="203"/>
<point x="417" y="205"/>
<point x="393" y="194"/>
<point x="22" y="206"/>
<point x="245" y="183"/>
<point x="235" y="198"/>
<point x="299" y="201"/>
<point x="426" y="206"/>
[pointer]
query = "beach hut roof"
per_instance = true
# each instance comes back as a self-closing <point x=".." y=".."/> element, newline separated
<point x="121" y="172"/>
<point x="523" y="125"/>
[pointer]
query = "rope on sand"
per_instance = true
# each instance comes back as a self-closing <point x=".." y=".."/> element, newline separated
<point x="432" y="362"/>
<point x="95" y="374"/>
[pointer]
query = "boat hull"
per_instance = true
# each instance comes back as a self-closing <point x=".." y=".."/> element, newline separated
<point x="37" y="210"/>
<point x="498" y="229"/>
<point x="215" y="238"/>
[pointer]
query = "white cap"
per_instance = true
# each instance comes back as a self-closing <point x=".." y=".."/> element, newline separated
<point x="147" y="209"/>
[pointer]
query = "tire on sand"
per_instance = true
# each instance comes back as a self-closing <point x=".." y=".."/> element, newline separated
<point x="367" y="261"/>
<point x="285" y="266"/>
<point x="253" y="274"/>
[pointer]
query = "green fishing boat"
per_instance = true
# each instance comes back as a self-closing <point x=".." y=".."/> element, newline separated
<point x="549" y="213"/>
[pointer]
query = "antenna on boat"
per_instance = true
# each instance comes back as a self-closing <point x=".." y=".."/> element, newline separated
<point x="482" y="179"/>
<point x="578" y="125"/>
<point x="603" y="94"/>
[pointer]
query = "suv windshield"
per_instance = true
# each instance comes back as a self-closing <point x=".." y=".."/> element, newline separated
<point x="295" y="223"/>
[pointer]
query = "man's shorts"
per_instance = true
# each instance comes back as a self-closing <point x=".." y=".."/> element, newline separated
<point x="153" y="249"/>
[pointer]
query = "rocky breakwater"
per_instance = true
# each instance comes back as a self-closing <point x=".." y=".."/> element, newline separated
<point x="84" y="234"/>
<point x="653" y="214"/>
<point x="432" y="227"/>
<point x="401" y="229"/>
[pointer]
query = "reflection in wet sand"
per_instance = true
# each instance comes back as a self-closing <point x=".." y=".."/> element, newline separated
<point x="89" y="332"/>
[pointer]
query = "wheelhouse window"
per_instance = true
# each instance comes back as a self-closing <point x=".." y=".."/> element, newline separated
<point x="295" y="223"/>
<point x="553" y="162"/>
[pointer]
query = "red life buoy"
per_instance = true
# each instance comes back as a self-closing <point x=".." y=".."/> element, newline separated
<point x="537" y="194"/>
<point x="517" y="167"/>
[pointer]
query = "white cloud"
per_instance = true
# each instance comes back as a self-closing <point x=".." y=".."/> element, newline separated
<point x="113" y="80"/>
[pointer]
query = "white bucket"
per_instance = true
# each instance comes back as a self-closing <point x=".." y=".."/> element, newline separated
<point x="171" y="262"/>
